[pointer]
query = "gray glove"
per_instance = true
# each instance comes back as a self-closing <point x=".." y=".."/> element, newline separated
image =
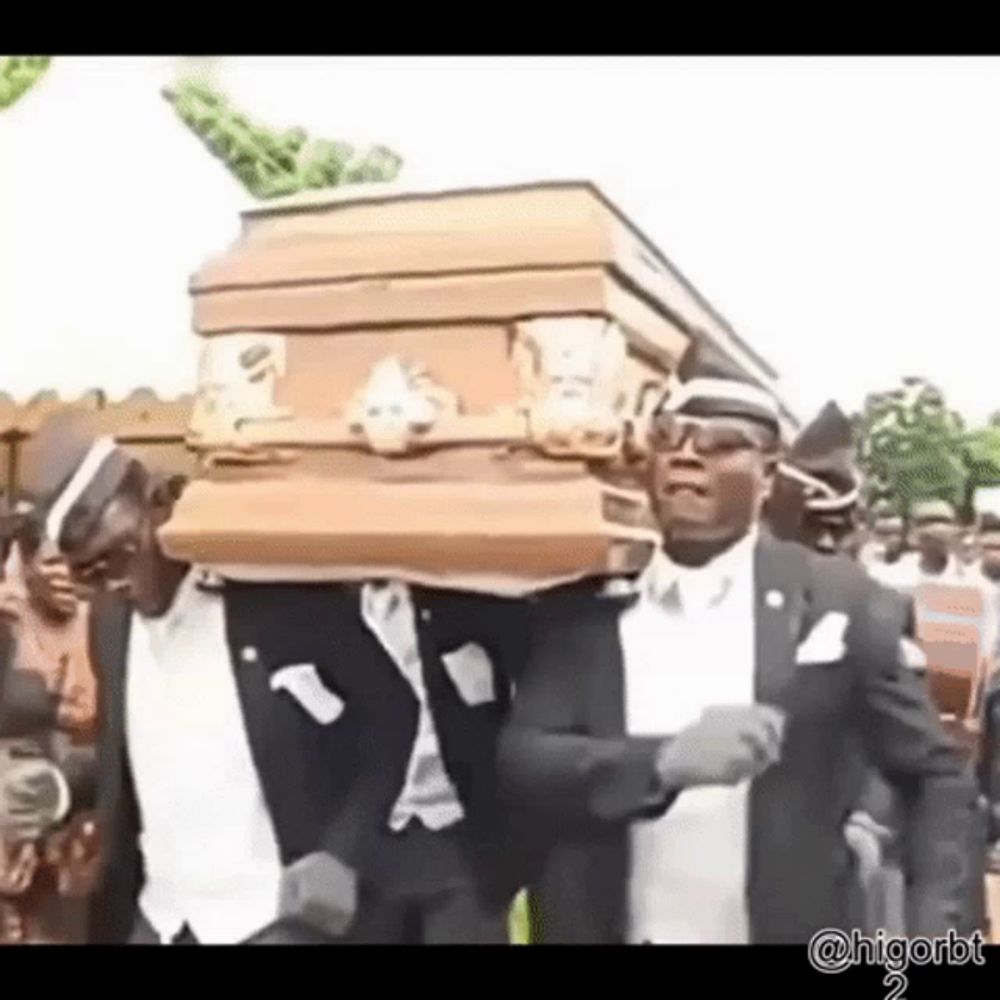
<point x="320" y="892"/>
<point x="34" y="796"/>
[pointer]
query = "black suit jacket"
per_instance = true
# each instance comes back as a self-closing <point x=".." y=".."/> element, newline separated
<point x="328" y="787"/>
<point x="566" y="757"/>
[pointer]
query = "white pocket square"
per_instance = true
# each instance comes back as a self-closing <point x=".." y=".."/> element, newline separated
<point x="825" y="643"/>
<point x="302" y="682"/>
<point x="912" y="655"/>
<point x="471" y="671"/>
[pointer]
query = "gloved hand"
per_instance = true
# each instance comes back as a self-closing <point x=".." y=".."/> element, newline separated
<point x="321" y="892"/>
<point x="865" y="839"/>
<point x="34" y="795"/>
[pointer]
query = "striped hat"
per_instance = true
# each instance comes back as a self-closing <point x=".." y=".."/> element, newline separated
<point x="713" y="387"/>
<point x="821" y="460"/>
<point x="70" y="472"/>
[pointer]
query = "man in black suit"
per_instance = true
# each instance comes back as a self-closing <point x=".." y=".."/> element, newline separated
<point x="814" y="501"/>
<point x="687" y="752"/>
<point x="333" y="746"/>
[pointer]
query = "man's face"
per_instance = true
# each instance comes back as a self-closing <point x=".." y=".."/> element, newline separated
<point x="886" y="538"/>
<point x="121" y="554"/>
<point x="936" y="539"/>
<point x="989" y="547"/>
<point x="828" y="532"/>
<point x="709" y="476"/>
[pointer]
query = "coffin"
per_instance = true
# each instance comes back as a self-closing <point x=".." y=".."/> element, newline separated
<point x="953" y="631"/>
<point x="445" y="387"/>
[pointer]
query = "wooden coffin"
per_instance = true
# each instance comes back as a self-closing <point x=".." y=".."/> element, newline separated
<point x="445" y="387"/>
<point x="952" y="629"/>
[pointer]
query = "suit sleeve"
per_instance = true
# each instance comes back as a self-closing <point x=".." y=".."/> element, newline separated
<point x="937" y="791"/>
<point x="552" y="763"/>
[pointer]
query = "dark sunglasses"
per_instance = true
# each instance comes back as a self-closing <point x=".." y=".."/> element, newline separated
<point x="668" y="432"/>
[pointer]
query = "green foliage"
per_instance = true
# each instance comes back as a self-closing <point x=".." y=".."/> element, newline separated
<point x="912" y="447"/>
<point x="269" y="163"/>
<point x="18" y="74"/>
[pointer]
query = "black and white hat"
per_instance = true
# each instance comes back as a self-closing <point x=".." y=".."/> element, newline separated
<point x="821" y="460"/>
<point x="69" y="471"/>
<point x="715" y="388"/>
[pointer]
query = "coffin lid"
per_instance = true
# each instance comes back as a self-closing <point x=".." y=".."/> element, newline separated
<point x="333" y="236"/>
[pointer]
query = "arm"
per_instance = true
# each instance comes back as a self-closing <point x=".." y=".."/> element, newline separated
<point x="550" y="761"/>
<point x="936" y="789"/>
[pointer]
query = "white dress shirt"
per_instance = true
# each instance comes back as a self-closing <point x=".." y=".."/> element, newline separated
<point x="428" y="794"/>
<point x="208" y="844"/>
<point x="688" y="868"/>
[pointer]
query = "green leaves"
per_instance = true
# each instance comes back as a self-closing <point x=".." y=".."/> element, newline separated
<point x="268" y="163"/>
<point x="912" y="447"/>
<point x="18" y="74"/>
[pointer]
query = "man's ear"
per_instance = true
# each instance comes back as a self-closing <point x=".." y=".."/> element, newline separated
<point x="166" y="491"/>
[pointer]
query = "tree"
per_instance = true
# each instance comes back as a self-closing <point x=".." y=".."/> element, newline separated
<point x="981" y="455"/>
<point x="269" y="163"/>
<point x="912" y="447"/>
<point x="18" y="74"/>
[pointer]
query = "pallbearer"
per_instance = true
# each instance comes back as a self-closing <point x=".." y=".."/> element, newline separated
<point x="685" y="749"/>
<point x="817" y="488"/>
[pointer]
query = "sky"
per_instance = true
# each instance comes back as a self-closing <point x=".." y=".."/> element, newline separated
<point x="842" y="213"/>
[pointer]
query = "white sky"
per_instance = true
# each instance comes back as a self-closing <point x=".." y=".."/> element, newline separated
<point x="843" y="214"/>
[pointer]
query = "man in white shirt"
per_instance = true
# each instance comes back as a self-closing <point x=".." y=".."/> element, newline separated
<point x="328" y="747"/>
<point x="936" y="534"/>
<point x="688" y="752"/>
<point x="216" y="811"/>
<point x="435" y="855"/>
<point x="883" y="546"/>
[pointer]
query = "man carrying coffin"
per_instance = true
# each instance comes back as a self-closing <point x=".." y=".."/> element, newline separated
<point x="688" y="751"/>
<point x="815" y="501"/>
<point x="331" y="746"/>
<point x="214" y="794"/>
<point x="817" y="488"/>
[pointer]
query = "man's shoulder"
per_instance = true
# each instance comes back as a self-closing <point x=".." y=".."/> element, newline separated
<point x="828" y="575"/>
<point x="838" y="583"/>
<point x="584" y="607"/>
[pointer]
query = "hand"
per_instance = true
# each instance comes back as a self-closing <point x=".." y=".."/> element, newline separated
<point x="76" y="856"/>
<point x="725" y="746"/>
<point x="18" y="864"/>
<point x="33" y="796"/>
<point x="321" y="892"/>
<point x="866" y="846"/>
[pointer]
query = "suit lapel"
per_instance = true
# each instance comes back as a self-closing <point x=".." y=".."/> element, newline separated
<point x="781" y="610"/>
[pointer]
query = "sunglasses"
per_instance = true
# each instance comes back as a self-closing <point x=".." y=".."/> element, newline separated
<point x="668" y="432"/>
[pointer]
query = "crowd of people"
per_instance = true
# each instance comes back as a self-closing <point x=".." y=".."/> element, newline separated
<point x="739" y="745"/>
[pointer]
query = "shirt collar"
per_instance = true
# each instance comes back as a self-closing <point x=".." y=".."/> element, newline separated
<point x="698" y="587"/>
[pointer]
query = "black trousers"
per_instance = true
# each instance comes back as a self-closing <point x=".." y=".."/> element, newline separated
<point x="422" y="889"/>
